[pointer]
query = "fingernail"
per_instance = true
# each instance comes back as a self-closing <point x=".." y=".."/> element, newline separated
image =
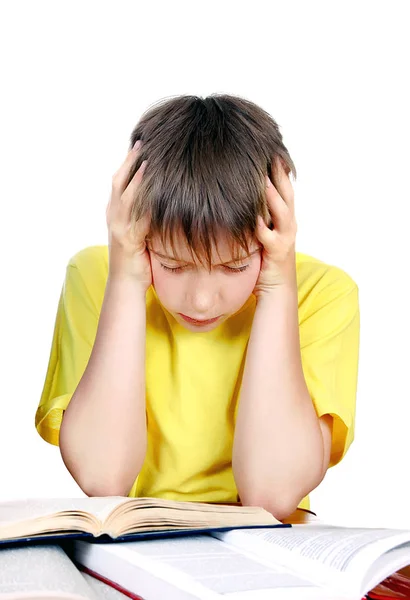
<point x="268" y="181"/>
<point x="137" y="145"/>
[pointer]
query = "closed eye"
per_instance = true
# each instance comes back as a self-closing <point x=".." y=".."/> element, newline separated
<point x="229" y="269"/>
<point x="237" y="269"/>
<point x="174" y="269"/>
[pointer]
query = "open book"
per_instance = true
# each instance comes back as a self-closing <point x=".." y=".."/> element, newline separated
<point x="119" y="517"/>
<point x="46" y="573"/>
<point x="312" y="561"/>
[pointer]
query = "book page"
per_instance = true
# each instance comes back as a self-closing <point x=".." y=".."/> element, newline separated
<point x="116" y="515"/>
<point x="147" y="514"/>
<point x="204" y="567"/>
<point x="32" y="508"/>
<point x="387" y="566"/>
<point x="330" y="556"/>
<point x="26" y="518"/>
<point x="43" y="571"/>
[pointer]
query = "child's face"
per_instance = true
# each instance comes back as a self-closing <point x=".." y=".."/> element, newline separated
<point x="191" y="290"/>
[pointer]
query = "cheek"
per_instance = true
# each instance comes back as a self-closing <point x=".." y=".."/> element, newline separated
<point x="252" y="273"/>
<point x="250" y="280"/>
<point x="163" y="282"/>
<point x="242" y="286"/>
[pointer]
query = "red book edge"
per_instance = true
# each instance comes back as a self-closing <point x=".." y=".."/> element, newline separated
<point x="114" y="585"/>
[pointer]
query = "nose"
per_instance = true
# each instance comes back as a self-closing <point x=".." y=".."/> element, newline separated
<point x="203" y="296"/>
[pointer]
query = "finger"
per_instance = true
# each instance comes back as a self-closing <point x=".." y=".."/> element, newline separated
<point x="120" y="177"/>
<point x="129" y="194"/>
<point x="278" y="210"/>
<point x="119" y="208"/>
<point x="123" y="206"/>
<point x="265" y="235"/>
<point x="282" y="182"/>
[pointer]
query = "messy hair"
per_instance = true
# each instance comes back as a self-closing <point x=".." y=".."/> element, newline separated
<point x="207" y="159"/>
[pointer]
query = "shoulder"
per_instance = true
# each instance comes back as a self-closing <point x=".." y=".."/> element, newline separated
<point x="87" y="273"/>
<point x="328" y="297"/>
<point x="316" y="277"/>
<point x="90" y="258"/>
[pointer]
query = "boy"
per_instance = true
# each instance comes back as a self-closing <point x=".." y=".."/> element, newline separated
<point x="199" y="356"/>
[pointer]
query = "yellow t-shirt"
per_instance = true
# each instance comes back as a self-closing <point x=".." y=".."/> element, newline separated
<point x="193" y="379"/>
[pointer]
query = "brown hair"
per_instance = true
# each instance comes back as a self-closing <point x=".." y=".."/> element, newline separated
<point x="207" y="159"/>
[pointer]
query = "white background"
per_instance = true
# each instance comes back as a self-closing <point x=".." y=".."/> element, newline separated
<point x="76" y="77"/>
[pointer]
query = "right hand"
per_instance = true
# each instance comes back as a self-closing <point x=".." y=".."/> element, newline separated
<point x="128" y="254"/>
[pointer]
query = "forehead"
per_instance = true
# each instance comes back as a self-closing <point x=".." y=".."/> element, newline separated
<point x="224" y="251"/>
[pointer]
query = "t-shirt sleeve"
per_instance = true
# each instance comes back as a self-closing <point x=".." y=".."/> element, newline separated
<point x="73" y="338"/>
<point x="329" y="333"/>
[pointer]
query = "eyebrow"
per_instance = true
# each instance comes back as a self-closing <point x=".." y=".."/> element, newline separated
<point x="239" y="259"/>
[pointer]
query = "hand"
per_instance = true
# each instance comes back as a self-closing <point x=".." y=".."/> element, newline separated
<point x="128" y="254"/>
<point x="278" y="265"/>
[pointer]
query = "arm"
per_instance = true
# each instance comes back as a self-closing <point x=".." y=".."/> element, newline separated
<point x="103" y="431"/>
<point x="103" y="436"/>
<point x="281" y="449"/>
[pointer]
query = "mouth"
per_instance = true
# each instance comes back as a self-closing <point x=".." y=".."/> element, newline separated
<point x="198" y="322"/>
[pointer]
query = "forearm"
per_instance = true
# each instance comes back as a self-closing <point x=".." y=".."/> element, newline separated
<point x="103" y="433"/>
<point x="278" y="445"/>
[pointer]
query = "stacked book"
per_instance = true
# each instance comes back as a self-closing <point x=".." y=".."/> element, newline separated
<point x="117" y="548"/>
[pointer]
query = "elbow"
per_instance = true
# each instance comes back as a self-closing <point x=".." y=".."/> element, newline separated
<point x="281" y="500"/>
<point x="94" y="474"/>
<point x="109" y="488"/>
<point x="93" y="484"/>
<point x="280" y="506"/>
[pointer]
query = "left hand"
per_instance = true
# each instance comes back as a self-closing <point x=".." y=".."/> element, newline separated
<point x="278" y="265"/>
